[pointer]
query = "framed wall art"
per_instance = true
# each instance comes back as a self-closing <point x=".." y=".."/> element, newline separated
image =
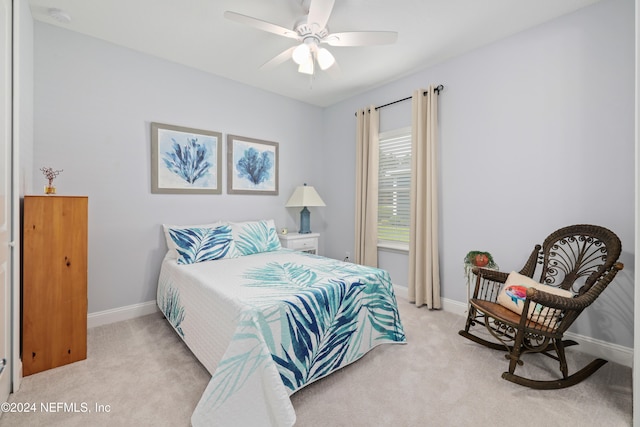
<point x="252" y="166"/>
<point x="185" y="160"/>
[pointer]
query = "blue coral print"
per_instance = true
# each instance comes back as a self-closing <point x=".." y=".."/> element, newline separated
<point x="254" y="166"/>
<point x="189" y="162"/>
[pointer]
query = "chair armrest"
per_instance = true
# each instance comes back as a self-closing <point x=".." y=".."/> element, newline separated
<point x="553" y="301"/>
<point x="488" y="283"/>
<point x="492" y="275"/>
<point x="577" y="303"/>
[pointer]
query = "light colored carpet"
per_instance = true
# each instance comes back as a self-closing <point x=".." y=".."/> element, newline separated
<point x="147" y="377"/>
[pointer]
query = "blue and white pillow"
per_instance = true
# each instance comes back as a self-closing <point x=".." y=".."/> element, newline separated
<point x="252" y="237"/>
<point x="198" y="244"/>
<point x="171" y="245"/>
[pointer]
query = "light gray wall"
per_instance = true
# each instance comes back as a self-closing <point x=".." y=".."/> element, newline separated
<point x="94" y="104"/>
<point x="536" y="132"/>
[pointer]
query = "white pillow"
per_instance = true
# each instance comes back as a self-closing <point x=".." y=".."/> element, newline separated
<point x="252" y="237"/>
<point x="171" y="245"/>
<point x="514" y="293"/>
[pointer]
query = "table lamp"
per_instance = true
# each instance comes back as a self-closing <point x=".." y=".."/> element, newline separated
<point x="302" y="197"/>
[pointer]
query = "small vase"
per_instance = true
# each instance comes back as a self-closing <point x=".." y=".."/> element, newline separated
<point x="49" y="189"/>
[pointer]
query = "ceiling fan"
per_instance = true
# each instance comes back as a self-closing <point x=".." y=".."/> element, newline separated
<point x="311" y="32"/>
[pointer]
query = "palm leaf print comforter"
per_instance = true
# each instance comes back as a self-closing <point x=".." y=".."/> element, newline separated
<point x="267" y="324"/>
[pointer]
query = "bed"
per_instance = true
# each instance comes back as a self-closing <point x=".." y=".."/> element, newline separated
<point x="266" y="321"/>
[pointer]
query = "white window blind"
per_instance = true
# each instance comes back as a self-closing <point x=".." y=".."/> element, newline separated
<point x="394" y="186"/>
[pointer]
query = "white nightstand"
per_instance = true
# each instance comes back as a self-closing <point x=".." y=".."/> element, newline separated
<point x="300" y="242"/>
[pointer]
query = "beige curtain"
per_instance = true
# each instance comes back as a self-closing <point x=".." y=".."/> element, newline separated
<point x="366" y="244"/>
<point x="424" y="272"/>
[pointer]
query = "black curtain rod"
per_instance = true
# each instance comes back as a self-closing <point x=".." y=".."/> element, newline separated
<point x="437" y="89"/>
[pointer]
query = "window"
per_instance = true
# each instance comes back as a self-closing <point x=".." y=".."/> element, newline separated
<point x="394" y="186"/>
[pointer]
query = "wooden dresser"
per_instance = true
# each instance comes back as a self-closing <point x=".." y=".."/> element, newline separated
<point x="54" y="287"/>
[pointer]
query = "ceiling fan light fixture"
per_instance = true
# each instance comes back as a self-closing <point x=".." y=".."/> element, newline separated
<point x="310" y="31"/>
<point x="325" y="59"/>
<point x="301" y="54"/>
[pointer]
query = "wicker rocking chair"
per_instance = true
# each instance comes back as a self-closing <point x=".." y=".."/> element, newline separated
<point x="581" y="259"/>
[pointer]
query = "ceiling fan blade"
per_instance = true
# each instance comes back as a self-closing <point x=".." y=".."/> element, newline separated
<point x="319" y="12"/>
<point x="361" y="38"/>
<point x="278" y="59"/>
<point x="260" y="24"/>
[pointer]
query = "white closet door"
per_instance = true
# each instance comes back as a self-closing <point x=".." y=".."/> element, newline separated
<point x="5" y="197"/>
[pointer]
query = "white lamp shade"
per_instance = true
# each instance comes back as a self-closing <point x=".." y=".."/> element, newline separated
<point x="301" y="53"/>
<point x="307" y="66"/>
<point x="325" y="59"/>
<point x="304" y="196"/>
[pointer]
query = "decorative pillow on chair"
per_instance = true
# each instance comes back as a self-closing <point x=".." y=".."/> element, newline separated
<point x="514" y="293"/>
<point x="198" y="244"/>
<point x="252" y="237"/>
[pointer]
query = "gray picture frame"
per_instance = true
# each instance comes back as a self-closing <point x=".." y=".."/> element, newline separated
<point x="252" y="166"/>
<point x="185" y="160"/>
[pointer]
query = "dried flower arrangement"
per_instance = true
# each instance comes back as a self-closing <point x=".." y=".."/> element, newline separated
<point x="50" y="174"/>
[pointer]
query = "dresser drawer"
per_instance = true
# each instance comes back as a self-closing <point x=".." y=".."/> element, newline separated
<point x="303" y="244"/>
<point x="300" y="242"/>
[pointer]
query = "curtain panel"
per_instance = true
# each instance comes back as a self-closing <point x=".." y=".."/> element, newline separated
<point x="424" y="271"/>
<point x="367" y="158"/>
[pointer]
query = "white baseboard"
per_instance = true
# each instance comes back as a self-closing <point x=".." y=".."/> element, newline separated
<point x="597" y="348"/>
<point x="105" y="317"/>
<point x="605" y="350"/>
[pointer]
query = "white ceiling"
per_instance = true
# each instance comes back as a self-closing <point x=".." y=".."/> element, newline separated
<point x="195" y="33"/>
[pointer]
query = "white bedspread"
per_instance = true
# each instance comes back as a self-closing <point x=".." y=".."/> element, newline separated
<point x="266" y="325"/>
